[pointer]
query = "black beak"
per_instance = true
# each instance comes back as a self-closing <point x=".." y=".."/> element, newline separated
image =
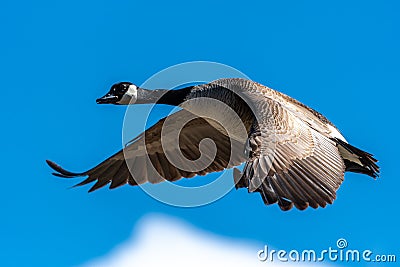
<point x="107" y="99"/>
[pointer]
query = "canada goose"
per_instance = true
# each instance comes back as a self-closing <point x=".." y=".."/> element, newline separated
<point x="293" y="154"/>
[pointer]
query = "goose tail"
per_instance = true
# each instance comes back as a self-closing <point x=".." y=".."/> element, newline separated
<point x="357" y="160"/>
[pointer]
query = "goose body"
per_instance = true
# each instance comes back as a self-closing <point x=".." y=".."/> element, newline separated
<point x="293" y="155"/>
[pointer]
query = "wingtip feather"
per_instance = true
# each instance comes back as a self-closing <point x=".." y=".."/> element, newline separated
<point x="60" y="172"/>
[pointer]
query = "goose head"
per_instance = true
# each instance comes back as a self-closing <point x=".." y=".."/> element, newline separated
<point x="122" y="93"/>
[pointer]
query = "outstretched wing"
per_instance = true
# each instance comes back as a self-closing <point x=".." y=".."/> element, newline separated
<point x="291" y="162"/>
<point x="154" y="157"/>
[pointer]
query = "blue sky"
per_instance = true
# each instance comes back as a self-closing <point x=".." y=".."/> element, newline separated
<point x="342" y="58"/>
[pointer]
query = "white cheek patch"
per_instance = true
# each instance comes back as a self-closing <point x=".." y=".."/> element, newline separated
<point x="130" y="96"/>
<point x="132" y="91"/>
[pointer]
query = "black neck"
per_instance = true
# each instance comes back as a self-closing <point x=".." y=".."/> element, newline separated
<point x="162" y="96"/>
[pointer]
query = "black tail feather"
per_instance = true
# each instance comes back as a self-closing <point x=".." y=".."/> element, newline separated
<point x="368" y="167"/>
